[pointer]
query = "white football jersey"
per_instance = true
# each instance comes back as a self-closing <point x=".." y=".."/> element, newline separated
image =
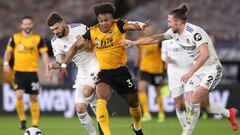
<point x="62" y="45"/>
<point x="180" y="61"/>
<point x="190" y="39"/>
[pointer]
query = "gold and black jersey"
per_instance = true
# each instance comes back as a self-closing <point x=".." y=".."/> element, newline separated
<point x="150" y="58"/>
<point x="26" y="51"/>
<point x="109" y="52"/>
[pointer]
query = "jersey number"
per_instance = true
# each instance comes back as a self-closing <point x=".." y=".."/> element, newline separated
<point x="210" y="78"/>
<point x="130" y="84"/>
<point x="35" y="86"/>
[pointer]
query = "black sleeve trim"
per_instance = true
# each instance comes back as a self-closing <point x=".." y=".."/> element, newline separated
<point x="41" y="44"/>
<point x="11" y="42"/>
<point x="120" y="24"/>
<point x="87" y="35"/>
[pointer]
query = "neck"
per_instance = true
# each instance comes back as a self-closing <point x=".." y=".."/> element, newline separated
<point x="181" y="29"/>
<point x="66" y="30"/>
<point x="26" y="34"/>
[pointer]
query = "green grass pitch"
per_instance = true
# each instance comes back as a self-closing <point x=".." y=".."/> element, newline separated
<point x="57" y="125"/>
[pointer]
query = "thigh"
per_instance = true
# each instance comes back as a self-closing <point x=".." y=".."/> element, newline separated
<point x="19" y="81"/>
<point x="123" y="83"/>
<point x="211" y="80"/>
<point x="32" y="84"/>
<point x="156" y="79"/>
<point x="79" y="98"/>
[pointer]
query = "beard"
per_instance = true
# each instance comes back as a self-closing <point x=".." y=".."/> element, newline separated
<point x="27" y="30"/>
<point x="60" y="35"/>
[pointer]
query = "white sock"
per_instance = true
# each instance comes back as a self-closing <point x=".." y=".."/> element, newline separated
<point x="215" y="108"/>
<point x="93" y="102"/>
<point x="181" y="115"/>
<point x="193" y="115"/>
<point x="87" y="123"/>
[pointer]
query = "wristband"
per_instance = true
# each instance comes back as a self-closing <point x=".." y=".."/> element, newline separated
<point x="5" y="63"/>
<point x="63" y="65"/>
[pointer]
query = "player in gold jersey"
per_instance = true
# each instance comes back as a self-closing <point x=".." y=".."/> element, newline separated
<point x="151" y="68"/>
<point x="25" y="46"/>
<point x="112" y="58"/>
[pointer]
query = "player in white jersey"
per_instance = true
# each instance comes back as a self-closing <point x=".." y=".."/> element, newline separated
<point x="86" y="62"/>
<point x="178" y="63"/>
<point x="206" y="71"/>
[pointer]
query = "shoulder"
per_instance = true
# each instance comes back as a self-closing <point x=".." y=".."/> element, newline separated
<point x="54" y="38"/>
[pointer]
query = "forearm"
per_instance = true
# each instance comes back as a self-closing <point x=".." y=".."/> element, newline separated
<point x="199" y="63"/>
<point x="151" y="40"/>
<point x="7" y="56"/>
<point x="70" y="54"/>
<point x="45" y="58"/>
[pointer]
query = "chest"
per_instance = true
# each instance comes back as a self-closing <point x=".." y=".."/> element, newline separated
<point x="185" y="41"/>
<point x="106" y="40"/>
<point x="29" y="44"/>
<point x="68" y="41"/>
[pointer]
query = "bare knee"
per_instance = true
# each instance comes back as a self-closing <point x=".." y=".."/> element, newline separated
<point x="179" y="102"/>
<point x="81" y="108"/>
<point x="103" y="91"/>
<point x="19" y="94"/>
<point x="33" y="98"/>
<point x="87" y="91"/>
<point x="142" y="86"/>
<point x="132" y="99"/>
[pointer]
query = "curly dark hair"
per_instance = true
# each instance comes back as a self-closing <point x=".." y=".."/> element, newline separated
<point x="103" y="8"/>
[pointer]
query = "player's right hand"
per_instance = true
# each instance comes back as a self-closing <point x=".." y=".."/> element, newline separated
<point x="62" y="73"/>
<point x="51" y="66"/>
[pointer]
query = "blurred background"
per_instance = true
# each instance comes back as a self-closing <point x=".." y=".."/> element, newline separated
<point x="219" y="17"/>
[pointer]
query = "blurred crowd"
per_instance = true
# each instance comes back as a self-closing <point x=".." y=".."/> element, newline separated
<point x="218" y="16"/>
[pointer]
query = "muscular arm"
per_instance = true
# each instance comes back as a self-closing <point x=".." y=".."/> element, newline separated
<point x="135" y="25"/>
<point x="204" y="55"/>
<point x="146" y="41"/>
<point x="73" y="50"/>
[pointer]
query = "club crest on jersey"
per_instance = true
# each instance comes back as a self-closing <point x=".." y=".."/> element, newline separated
<point x="78" y="37"/>
<point x="110" y="32"/>
<point x="197" y="37"/>
<point x="188" y="41"/>
<point x="98" y="44"/>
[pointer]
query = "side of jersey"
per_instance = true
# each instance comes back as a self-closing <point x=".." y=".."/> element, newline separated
<point x="180" y="61"/>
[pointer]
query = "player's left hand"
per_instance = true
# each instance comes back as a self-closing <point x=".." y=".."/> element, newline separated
<point x="62" y="73"/>
<point x="186" y="77"/>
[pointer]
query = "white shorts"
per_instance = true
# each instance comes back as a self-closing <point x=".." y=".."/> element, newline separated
<point x="175" y="85"/>
<point x="208" y="80"/>
<point x="87" y="75"/>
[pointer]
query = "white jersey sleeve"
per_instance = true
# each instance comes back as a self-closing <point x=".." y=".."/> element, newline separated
<point x="168" y="34"/>
<point x="56" y="48"/>
<point x="200" y="37"/>
<point x="164" y="51"/>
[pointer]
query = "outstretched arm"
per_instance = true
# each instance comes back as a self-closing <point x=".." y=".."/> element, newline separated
<point x="135" y="25"/>
<point x="149" y="40"/>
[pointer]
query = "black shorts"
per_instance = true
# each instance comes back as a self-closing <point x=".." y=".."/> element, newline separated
<point x="154" y="79"/>
<point x="119" y="79"/>
<point x="27" y="81"/>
